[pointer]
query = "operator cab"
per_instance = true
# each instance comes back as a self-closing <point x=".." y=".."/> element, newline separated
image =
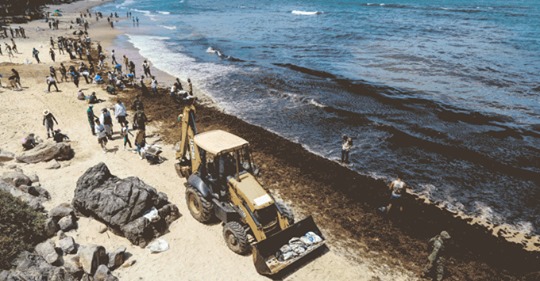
<point x="224" y="155"/>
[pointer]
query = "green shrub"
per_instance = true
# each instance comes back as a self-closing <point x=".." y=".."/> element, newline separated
<point x="21" y="228"/>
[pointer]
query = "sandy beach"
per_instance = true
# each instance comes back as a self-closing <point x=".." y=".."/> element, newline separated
<point x="197" y="251"/>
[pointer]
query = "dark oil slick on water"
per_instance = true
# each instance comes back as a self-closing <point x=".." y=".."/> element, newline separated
<point x="445" y="92"/>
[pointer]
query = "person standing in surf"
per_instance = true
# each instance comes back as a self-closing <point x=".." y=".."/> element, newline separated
<point x="346" y="146"/>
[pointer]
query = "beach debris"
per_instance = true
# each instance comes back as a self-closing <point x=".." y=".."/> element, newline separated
<point x="122" y="204"/>
<point x="47" y="251"/>
<point x="6" y="156"/>
<point x="117" y="258"/>
<point x="157" y="246"/>
<point x="92" y="256"/>
<point x="45" y="152"/>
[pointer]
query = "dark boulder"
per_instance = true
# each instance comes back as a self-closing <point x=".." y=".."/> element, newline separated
<point x="122" y="204"/>
<point x="47" y="151"/>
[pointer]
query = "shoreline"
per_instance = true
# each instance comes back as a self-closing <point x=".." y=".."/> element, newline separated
<point x="529" y="242"/>
<point x="324" y="180"/>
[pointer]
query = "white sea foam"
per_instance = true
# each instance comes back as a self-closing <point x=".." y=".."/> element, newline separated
<point x="177" y="64"/>
<point x="316" y="103"/>
<point x="169" y="27"/>
<point x="141" y="11"/>
<point x="126" y="3"/>
<point x="305" y="13"/>
<point x="164" y="13"/>
<point x="211" y="50"/>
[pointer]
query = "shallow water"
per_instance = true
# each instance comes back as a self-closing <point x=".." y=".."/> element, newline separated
<point x="444" y="92"/>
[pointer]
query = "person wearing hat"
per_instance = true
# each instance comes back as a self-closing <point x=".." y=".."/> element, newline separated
<point x="435" y="265"/>
<point x="48" y="122"/>
<point x="91" y="118"/>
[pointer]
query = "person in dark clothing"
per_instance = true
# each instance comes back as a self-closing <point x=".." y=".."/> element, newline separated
<point x="48" y="122"/>
<point x="137" y="104"/>
<point x="435" y="266"/>
<point x="91" y="117"/>
<point x="75" y="76"/>
<point x="35" y="53"/>
<point x="51" y="51"/>
<point x="139" y="120"/>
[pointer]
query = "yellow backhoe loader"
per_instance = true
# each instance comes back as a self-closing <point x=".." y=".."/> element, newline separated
<point x="221" y="183"/>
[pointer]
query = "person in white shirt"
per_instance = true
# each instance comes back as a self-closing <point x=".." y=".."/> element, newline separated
<point x="153" y="85"/>
<point x="101" y="135"/>
<point x="51" y="82"/>
<point x="398" y="188"/>
<point x="120" y="112"/>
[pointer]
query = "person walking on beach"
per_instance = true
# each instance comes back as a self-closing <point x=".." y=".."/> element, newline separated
<point x="51" y="82"/>
<point x="113" y="58"/>
<point x="91" y="117"/>
<point x="48" y="122"/>
<point x="346" y="146"/>
<point x="132" y="68"/>
<point x="63" y="72"/>
<point x="179" y="85"/>
<point x="144" y="89"/>
<point x="101" y="135"/>
<point x="53" y="54"/>
<point x="398" y="188"/>
<point x="35" y="53"/>
<point x="126" y="61"/>
<point x="52" y="42"/>
<point x="14" y="46"/>
<point x="146" y="68"/>
<point x="154" y="85"/>
<point x="75" y="76"/>
<point x="8" y="50"/>
<point x="106" y="120"/>
<point x="15" y="79"/>
<point x="120" y="113"/>
<point x="435" y="267"/>
<point x="125" y="134"/>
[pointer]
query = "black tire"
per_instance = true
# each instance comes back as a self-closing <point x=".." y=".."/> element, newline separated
<point x="235" y="236"/>
<point x="286" y="211"/>
<point x="200" y="208"/>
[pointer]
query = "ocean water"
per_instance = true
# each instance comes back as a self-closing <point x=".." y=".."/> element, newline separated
<point x="444" y="92"/>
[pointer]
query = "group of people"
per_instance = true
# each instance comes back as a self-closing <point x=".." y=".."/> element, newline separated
<point x="14" y="32"/>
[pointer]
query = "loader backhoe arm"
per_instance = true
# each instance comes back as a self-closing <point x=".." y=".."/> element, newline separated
<point x="188" y="149"/>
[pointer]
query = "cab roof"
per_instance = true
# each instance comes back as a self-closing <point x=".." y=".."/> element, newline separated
<point x="219" y="141"/>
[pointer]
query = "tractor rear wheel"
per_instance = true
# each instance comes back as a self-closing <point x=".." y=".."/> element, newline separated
<point x="200" y="208"/>
<point x="287" y="212"/>
<point x="236" y="237"/>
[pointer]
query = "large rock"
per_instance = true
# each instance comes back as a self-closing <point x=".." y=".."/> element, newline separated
<point x="51" y="227"/>
<point x="6" y="156"/>
<point x="47" y="251"/>
<point x="72" y="264"/>
<point x="121" y="204"/>
<point x="92" y="256"/>
<point x="46" y="151"/>
<point x="16" y="178"/>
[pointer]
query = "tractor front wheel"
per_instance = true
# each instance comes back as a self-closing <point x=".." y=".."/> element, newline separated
<point x="236" y="237"/>
<point x="200" y="208"/>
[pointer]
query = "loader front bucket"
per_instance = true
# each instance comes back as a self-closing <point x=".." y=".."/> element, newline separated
<point x="264" y="252"/>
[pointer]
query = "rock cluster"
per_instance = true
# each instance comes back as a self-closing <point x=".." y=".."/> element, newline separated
<point x="65" y="260"/>
<point x="25" y="187"/>
<point x="129" y="207"/>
